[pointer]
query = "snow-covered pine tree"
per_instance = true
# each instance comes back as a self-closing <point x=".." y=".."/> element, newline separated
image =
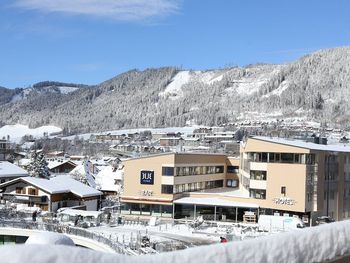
<point x="81" y="177"/>
<point x="38" y="166"/>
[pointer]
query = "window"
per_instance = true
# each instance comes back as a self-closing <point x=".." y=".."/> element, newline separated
<point x="232" y="169"/>
<point x="258" y="175"/>
<point x="219" y="169"/>
<point x="167" y="189"/>
<point x="257" y="193"/>
<point x="231" y="183"/>
<point x="218" y="183"/>
<point x="31" y="191"/>
<point x="287" y="158"/>
<point x="283" y="190"/>
<point x="264" y="157"/>
<point x="19" y="190"/>
<point x="168" y="171"/>
<point x="310" y="159"/>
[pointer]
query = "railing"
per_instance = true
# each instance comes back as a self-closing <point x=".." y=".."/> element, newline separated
<point x="59" y="228"/>
<point x="30" y="198"/>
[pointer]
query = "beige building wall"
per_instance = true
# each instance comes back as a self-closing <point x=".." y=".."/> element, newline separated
<point x="134" y="191"/>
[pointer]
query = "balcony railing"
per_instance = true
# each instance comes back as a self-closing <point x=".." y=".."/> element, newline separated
<point x="25" y="198"/>
<point x="59" y="228"/>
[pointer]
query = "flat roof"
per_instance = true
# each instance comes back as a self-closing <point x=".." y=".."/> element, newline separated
<point x="305" y="145"/>
<point x="173" y="153"/>
<point x="213" y="202"/>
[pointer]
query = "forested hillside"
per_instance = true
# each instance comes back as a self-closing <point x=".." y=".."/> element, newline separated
<point x="316" y="87"/>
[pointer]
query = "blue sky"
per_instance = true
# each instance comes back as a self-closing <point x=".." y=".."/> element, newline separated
<point x="89" y="41"/>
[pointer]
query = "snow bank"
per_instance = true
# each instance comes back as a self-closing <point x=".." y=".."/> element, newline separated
<point x="317" y="244"/>
<point x="17" y="131"/>
<point x="49" y="238"/>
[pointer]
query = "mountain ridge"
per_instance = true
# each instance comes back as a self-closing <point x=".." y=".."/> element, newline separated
<point x="314" y="87"/>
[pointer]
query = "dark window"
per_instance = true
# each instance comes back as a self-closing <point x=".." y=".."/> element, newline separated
<point x="168" y="171"/>
<point x="232" y="169"/>
<point x="219" y="169"/>
<point x="264" y="157"/>
<point x="283" y="190"/>
<point x="219" y="183"/>
<point x="167" y="189"/>
<point x="287" y="158"/>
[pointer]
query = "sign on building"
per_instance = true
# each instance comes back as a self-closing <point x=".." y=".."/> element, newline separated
<point x="284" y="201"/>
<point x="147" y="177"/>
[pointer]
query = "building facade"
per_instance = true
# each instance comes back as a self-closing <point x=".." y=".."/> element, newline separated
<point x="271" y="175"/>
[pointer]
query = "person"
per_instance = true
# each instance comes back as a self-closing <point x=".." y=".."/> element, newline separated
<point x="34" y="215"/>
<point x="76" y="221"/>
<point x="223" y="240"/>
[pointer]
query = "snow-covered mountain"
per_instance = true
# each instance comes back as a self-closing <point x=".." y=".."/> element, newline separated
<point x="315" y="87"/>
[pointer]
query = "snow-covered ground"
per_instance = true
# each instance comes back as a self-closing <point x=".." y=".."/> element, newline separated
<point x="17" y="131"/>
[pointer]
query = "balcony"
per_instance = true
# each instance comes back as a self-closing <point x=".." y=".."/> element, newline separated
<point x="257" y="184"/>
<point x="20" y="198"/>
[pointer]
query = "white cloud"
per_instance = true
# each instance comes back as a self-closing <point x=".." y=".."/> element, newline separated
<point x="123" y="10"/>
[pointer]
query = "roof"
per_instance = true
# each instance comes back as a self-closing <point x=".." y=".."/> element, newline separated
<point x="174" y="153"/>
<point x="45" y="184"/>
<point x="213" y="202"/>
<point x="76" y="187"/>
<point x="74" y="212"/>
<point x="107" y="179"/>
<point x="305" y="145"/>
<point x="53" y="164"/>
<point x="58" y="185"/>
<point x="8" y="169"/>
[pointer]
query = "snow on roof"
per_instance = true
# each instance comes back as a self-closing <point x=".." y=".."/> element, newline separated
<point x="53" y="164"/>
<point x="213" y="202"/>
<point x="75" y="186"/>
<point x="74" y="212"/>
<point x="57" y="185"/>
<point x="107" y="179"/>
<point x="306" y="145"/>
<point x="46" y="185"/>
<point x="8" y="169"/>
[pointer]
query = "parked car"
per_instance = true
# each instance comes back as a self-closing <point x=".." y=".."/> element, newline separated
<point x="324" y="220"/>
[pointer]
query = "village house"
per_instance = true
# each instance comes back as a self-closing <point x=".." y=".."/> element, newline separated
<point x="61" y="166"/>
<point x="50" y="194"/>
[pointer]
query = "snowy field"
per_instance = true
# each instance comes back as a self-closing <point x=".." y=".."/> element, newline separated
<point x="17" y="131"/>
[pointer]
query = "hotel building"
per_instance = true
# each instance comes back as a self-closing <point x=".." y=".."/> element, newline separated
<point x="272" y="175"/>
